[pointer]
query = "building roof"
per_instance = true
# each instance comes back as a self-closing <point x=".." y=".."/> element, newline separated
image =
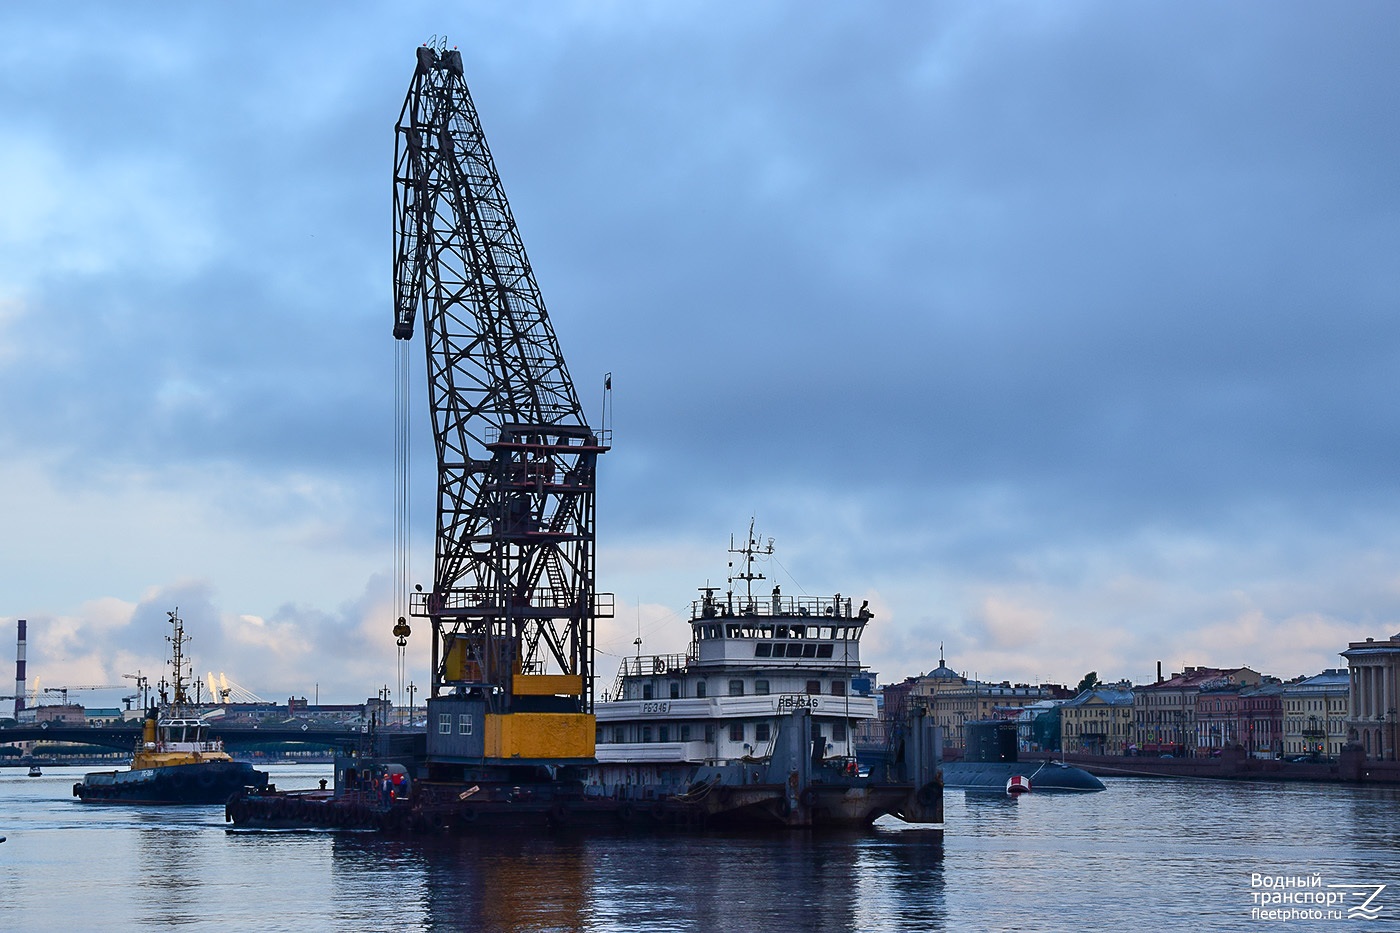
<point x="1370" y="646"/>
<point x="1199" y="677"/>
<point x="1103" y="695"/>
<point x="1331" y="681"/>
<point x="943" y="671"/>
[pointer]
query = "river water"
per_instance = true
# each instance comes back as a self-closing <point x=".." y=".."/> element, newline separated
<point x="1145" y="855"/>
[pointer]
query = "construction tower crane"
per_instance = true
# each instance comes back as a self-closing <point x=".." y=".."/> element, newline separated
<point x="62" y="692"/>
<point x="513" y="603"/>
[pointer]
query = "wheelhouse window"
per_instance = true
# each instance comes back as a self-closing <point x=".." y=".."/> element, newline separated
<point x="760" y="687"/>
<point x="700" y="688"/>
<point x="736" y="688"/>
<point x="763" y="650"/>
<point x="464" y="724"/>
<point x="675" y="690"/>
<point x="736" y="732"/>
<point x="761" y="732"/>
<point x="838" y="688"/>
<point x="814" y="686"/>
<point x="646" y="691"/>
<point x="444" y="723"/>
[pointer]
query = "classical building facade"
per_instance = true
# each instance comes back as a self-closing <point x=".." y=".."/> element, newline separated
<point x="1260" y="711"/>
<point x="1316" y="714"/>
<point x="1218" y="716"/>
<point x="1164" y="713"/>
<point x="1374" y="695"/>
<point x="1098" y="722"/>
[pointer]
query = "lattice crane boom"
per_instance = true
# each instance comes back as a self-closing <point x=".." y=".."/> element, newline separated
<point x="512" y="605"/>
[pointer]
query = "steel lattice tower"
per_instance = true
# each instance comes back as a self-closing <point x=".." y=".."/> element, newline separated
<point x="513" y="589"/>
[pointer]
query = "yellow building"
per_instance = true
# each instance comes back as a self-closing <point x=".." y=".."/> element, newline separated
<point x="1315" y="714"/>
<point x="1098" y="722"/>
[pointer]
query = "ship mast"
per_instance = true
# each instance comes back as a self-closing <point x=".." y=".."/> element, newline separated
<point x="751" y="549"/>
<point x="178" y="662"/>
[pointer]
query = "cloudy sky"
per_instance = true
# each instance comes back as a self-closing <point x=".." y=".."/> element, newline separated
<point x="1064" y="333"/>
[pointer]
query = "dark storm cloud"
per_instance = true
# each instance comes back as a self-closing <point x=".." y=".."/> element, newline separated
<point x="1142" y="263"/>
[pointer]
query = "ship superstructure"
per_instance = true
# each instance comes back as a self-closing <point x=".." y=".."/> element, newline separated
<point x="753" y="660"/>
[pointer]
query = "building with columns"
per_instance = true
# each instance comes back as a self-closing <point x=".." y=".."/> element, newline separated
<point x="1375" y="695"/>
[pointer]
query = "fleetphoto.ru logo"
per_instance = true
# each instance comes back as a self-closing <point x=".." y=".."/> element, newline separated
<point x="1282" y="898"/>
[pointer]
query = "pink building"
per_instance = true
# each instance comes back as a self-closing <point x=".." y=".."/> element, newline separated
<point x="1260" y="727"/>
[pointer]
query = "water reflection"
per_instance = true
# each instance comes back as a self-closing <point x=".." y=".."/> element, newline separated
<point x="168" y="851"/>
<point x="869" y="881"/>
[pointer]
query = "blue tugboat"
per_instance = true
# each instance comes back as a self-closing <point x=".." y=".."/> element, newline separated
<point x="175" y="761"/>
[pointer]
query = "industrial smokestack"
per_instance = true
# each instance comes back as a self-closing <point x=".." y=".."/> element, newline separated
<point x="1159" y="672"/>
<point x="19" y="671"/>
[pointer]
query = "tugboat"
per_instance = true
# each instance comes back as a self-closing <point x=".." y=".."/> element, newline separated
<point x="175" y="761"/>
<point x="36" y="771"/>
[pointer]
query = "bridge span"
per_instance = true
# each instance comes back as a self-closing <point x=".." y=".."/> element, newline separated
<point x="125" y="737"/>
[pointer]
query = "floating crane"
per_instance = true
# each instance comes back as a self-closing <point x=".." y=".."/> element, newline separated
<point x="513" y="603"/>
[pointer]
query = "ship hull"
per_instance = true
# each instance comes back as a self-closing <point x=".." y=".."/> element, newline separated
<point x="993" y="775"/>
<point x="205" y="783"/>
<point x="457" y="809"/>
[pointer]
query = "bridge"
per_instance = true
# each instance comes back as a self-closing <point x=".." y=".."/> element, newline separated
<point x="124" y="737"/>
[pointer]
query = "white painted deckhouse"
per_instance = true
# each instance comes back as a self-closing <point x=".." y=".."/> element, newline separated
<point x="751" y="662"/>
